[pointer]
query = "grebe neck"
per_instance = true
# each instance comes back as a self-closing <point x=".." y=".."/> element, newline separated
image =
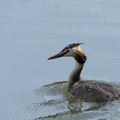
<point x="75" y="74"/>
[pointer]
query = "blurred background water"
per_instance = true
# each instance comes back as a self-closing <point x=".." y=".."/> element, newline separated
<point x="32" y="30"/>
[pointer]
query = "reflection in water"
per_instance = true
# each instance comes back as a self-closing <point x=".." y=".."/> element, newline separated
<point x="54" y="102"/>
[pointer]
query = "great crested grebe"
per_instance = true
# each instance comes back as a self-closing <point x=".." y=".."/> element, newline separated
<point x="86" y="90"/>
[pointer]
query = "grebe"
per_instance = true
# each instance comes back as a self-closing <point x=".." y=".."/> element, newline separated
<point x="86" y="90"/>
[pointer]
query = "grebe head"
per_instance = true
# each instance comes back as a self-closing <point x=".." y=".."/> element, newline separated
<point x="72" y="50"/>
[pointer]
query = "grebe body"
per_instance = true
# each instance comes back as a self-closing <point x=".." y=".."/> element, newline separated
<point x="85" y="89"/>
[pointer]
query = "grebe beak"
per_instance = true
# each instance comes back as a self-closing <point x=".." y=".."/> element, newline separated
<point x="58" y="55"/>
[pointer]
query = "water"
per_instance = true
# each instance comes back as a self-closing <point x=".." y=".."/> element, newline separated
<point x="33" y="30"/>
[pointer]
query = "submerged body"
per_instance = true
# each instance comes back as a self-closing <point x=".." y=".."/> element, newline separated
<point x="95" y="91"/>
<point x="86" y="90"/>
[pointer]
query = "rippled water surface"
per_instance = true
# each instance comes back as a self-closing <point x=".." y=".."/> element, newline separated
<point x="33" y="88"/>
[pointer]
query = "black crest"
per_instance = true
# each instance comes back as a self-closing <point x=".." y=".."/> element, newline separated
<point x="71" y="46"/>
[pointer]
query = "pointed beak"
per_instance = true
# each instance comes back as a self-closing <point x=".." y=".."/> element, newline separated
<point x="81" y="43"/>
<point x="58" y="55"/>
